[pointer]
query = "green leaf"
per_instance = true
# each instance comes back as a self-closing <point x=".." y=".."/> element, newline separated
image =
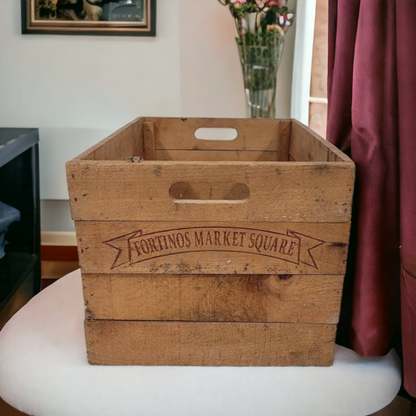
<point x="271" y="17"/>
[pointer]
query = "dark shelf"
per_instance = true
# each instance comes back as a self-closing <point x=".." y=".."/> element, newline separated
<point x="14" y="269"/>
<point x="13" y="142"/>
<point x="19" y="188"/>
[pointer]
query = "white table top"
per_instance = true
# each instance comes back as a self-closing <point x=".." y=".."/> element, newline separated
<point x="44" y="372"/>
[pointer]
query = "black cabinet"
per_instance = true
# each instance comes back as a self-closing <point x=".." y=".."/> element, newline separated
<point x="19" y="193"/>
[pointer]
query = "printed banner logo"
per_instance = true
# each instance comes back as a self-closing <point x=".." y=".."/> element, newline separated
<point x="137" y="247"/>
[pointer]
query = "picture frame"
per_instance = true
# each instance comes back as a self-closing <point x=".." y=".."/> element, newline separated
<point x="89" y="17"/>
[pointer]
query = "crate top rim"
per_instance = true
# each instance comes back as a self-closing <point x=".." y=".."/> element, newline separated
<point x="222" y="122"/>
<point x="283" y="164"/>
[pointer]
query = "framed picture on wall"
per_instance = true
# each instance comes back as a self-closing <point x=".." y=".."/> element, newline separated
<point x="89" y="17"/>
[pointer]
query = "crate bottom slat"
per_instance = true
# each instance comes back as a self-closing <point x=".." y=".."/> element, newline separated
<point x="209" y="343"/>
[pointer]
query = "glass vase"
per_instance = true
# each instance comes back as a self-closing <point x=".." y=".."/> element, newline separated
<point x="260" y="64"/>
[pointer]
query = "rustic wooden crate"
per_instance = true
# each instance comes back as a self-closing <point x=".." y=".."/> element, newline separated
<point x="212" y="252"/>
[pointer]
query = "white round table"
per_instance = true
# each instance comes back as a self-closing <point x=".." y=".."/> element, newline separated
<point x="44" y="372"/>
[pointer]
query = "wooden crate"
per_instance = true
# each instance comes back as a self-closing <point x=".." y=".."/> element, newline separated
<point x="202" y="252"/>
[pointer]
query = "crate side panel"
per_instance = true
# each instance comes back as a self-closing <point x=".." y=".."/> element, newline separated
<point x="209" y="344"/>
<point x="125" y="142"/>
<point x="306" y="145"/>
<point x="217" y="155"/>
<point x="284" y="140"/>
<point x="149" y="145"/>
<point x="179" y="134"/>
<point x="280" y="191"/>
<point x="232" y="298"/>
<point x="212" y="248"/>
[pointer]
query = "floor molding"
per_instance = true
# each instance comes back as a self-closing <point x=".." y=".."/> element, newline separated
<point x="48" y="238"/>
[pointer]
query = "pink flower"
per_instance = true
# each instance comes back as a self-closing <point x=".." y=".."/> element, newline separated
<point x="280" y="3"/>
<point x="237" y="1"/>
<point x="261" y="3"/>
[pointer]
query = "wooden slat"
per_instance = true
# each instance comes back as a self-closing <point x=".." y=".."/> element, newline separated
<point x="306" y="145"/>
<point x="212" y="248"/>
<point x="253" y="298"/>
<point x="209" y="343"/>
<point x="333" y="157"/>
<point x="149" y="141"/>
<point x="125" y="142"/>
<point x="284" y="140"/>
<point x="179" y="134"/>
<point x="216" y="155"/>
<point x="279" y="191"/>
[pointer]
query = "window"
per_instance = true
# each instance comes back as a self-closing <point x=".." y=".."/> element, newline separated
<point x="309" y="88"/>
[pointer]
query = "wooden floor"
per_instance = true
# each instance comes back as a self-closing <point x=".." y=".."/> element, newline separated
<point x="6" y="410"/>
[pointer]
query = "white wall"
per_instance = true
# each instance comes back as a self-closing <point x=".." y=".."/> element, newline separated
<point x="87" y="81"/>
<point x="79" y="89"/>
<point x="212" y="83"/>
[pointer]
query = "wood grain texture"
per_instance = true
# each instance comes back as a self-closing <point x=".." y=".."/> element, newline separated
<point x="306" y="145"/>
<point x="332" y="157"/>
<point x="217" y="155"/>
<point x="209" y="343"/>
<point x="125" y="142"/>
<point x="210" y="248"/>
<point x="279" y="191"/>
<point x="252" y="298"/>
<point x="149" y="145"/>
<point x="284" y="140"/>
<point x="179" y="134"/>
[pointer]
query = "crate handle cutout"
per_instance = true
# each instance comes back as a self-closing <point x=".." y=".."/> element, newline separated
<point x="208" y="192"/>
<point x="225" y="134"/>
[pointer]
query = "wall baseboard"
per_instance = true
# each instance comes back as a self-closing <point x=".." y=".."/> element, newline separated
<point x="58" y="238"/>
<point x="58" y="246"/>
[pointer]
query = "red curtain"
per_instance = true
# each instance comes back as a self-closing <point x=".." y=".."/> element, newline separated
<point x="372" y="118"/>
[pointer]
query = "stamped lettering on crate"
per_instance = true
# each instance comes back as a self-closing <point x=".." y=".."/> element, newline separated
<point x="138" y="246"/>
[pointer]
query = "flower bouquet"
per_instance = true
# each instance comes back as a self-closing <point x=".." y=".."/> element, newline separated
<point x="261" y="27"/>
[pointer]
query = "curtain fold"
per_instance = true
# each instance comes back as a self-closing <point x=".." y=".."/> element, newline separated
<point x="372" y="118"/>
<point x="406" y="75"/>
